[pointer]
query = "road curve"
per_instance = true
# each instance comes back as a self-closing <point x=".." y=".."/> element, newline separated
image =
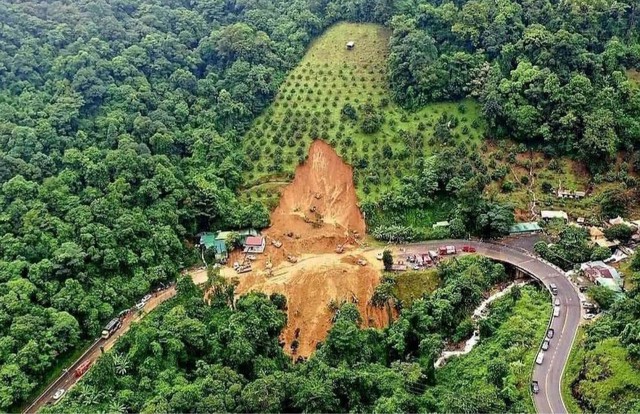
<point x="549" y="374"/>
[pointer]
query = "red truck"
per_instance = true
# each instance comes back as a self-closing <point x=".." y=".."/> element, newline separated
<point x="82" y="368"/>
<point x="468" y="249"/>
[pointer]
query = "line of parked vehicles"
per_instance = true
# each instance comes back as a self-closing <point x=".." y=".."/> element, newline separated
<point x="418" y="260"/>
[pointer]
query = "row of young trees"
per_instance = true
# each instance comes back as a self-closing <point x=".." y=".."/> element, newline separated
<point x="548" y="73"/>
<point x="222" y="356"/>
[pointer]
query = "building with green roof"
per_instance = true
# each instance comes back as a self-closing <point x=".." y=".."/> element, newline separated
<point x="525" y="228"/>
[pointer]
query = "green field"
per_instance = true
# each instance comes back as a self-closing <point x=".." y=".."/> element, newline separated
<point x="309" y="105"/>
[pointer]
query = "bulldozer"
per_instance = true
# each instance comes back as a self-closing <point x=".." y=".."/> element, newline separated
<point x="340" y="248"/>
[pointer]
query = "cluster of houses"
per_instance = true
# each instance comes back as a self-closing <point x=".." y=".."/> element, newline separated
<point x="597" y="272"/>
<point x="221" y="242"/>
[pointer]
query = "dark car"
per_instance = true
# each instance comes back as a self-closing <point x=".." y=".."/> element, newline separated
<point x="535" y="387"/>
<point x="550" y="333"/>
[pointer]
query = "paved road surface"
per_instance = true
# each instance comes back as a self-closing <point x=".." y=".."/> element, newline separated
<point x="67" y="379"/>
<point x="549" y="374"/>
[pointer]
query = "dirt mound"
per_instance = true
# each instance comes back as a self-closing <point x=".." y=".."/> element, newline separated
<point x="310" y="286"/>
<point x="318" y="210"/>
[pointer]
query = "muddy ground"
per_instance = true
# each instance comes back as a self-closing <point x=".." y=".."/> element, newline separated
<point x="318" y="210"/>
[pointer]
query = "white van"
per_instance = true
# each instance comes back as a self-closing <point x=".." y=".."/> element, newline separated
<point x="540" y="358"/>
<point x="556" y="311"/>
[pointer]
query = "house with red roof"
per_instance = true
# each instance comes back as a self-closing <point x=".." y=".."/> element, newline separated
<point x="254" y="244"/>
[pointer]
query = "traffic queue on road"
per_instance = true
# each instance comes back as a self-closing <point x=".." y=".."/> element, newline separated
<point x="110" y="328"/>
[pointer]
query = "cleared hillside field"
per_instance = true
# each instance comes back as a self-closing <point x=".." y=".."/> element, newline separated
<point x="309" y="105"/>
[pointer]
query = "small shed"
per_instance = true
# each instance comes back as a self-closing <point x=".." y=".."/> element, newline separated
<point x="351" y="44"/>
<point x="595" y="233"/>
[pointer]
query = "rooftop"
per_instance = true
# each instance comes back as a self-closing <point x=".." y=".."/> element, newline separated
<point x="548" y="214"/>
<point x="254" y="241"/>
<point x="525" y="228"/>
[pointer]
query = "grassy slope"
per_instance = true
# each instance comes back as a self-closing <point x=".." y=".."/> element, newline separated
<point x="611" y="381"/>
<point x="571" y="373"/>
<point x="516" y="340"/>
<point x="412" y="285"/>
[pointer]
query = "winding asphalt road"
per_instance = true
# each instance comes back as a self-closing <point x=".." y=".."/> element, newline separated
<point x="549" y="373"/>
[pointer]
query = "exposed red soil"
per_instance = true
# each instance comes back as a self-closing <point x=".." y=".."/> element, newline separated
<point x="324" y="183"/>
<point x="317" y="212"/>
<point x="309" y="291"/>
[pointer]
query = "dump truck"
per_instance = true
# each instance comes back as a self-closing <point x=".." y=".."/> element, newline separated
<point x="276" y="243"/>
<point x="292" y="259"/>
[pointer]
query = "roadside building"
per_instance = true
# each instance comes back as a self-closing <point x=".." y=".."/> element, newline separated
<point x="525" y="228"/>
<point x="552" y="215"/>
<point x="571" y="194"/>
<point x="246" y="233"/>
<point x="602" y="274"/>
<point x="254" y="244"/>
<point x="216" y="242"/>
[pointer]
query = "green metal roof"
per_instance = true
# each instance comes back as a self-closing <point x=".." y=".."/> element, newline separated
<point x="208" y="239"/>
<point x="524" y="228"/>
<point x="223" y="235"/>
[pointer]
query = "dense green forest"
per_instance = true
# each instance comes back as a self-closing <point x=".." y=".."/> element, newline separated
<point x="121" y="126"/>
<point x="235" y="364"/>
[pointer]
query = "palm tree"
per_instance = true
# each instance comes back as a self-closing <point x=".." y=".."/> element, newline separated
<point x="120" y="363"/>
<point x="116" y="407"/>
<point x="88" y="395"/>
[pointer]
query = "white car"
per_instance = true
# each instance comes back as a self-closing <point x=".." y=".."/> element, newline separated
<point x="557" y="302"/>
<point x="146" y="298"/>
<point x="589" y="316"/>
<point x="58" y="394"/>
<point x="556" y="311"/>
<point x="140" y="305"/>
